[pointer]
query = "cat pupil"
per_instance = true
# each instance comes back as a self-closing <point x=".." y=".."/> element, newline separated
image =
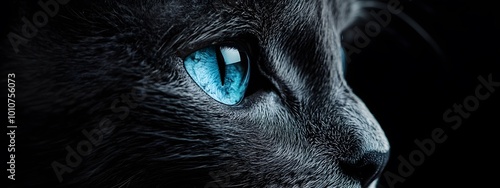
<point x="222" y="72"/>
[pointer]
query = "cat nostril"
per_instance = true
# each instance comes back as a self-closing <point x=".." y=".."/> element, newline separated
<point x="367" y="168"/>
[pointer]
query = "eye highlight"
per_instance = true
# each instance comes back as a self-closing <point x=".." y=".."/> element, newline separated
<point x="222" y="72"/>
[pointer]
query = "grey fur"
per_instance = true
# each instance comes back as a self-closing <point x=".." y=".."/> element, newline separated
<point x="307" y="129"/>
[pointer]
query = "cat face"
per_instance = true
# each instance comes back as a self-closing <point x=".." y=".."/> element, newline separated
<point x="125" y="76"/>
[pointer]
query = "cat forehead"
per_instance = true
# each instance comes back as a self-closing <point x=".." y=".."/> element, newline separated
<point x="293" y="11"/>
<point x="221" y="20"/>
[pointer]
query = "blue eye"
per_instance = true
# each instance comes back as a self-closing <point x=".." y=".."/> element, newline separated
<point x="343" y="58"/>
<point x="221" y="71"/>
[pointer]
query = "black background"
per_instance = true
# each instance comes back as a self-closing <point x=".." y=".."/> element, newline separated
<point x="408" y="86"/>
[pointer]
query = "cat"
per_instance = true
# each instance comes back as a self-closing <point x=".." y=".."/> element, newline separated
<point x="175" y="93"/>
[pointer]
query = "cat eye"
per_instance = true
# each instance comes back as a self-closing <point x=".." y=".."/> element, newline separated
<point x="222" y="72"/>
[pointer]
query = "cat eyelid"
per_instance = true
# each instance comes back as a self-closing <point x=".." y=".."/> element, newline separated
<point x="238" y="42"/>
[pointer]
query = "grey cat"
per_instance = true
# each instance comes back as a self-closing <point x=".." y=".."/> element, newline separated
<point x="106" y="98"/>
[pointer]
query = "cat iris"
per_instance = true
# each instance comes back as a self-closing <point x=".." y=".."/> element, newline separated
<point x="222" y="72"/>
<point x="344" y="59"/>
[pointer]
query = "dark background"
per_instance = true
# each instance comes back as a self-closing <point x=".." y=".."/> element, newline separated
<point x="408" y="86"/>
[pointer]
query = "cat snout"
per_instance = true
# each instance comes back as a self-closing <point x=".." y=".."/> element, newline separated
<point x="365" y="168"/>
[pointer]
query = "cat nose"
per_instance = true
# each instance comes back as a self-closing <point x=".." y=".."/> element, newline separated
<point x="366" y="168"/>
